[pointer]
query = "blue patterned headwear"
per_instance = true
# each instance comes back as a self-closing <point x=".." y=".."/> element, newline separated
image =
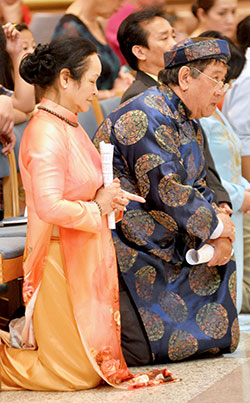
<point x="188" y="50"/>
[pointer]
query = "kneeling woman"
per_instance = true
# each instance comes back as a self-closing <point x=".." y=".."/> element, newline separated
<point x="69" y="338"/>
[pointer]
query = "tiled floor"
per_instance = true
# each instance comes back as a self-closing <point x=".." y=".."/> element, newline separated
<point x="225" y="379"/>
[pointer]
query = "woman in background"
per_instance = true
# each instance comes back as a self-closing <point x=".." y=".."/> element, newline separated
<point x="87" y="19"/>
<point x="219" y="15"/>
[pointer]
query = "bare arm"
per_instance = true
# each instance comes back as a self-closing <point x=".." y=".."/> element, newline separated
<point x="24" y="93"/>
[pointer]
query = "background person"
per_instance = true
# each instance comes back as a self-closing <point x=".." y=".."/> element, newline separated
<point x="11" y="55"/>
<point x="217" y="15"/>
<point x="236" y="108"/>
<point x="115" y="20"/>
<point x="14" y="11"/>
<point x="86" y="19"/>
<point x="225" y="148"/>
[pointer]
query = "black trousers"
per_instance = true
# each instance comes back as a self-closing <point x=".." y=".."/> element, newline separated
<point x="135" y="344"/>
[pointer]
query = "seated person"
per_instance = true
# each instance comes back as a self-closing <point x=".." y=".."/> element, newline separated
<point x="169" y="309"/>
<point x="237" y="110"/>
<point x="225" y="147"/>
<point x="14" y="11"/>
<point x="116" y="19"/>
<point x="27" y="37"/>
<point x="85" y="18"/>
<point x="7" y="137"/>
<point x="217" y="15"/>
<point x="11" y="55"/>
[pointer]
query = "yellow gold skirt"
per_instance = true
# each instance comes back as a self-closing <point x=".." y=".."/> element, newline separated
<point x="60" y="362"/>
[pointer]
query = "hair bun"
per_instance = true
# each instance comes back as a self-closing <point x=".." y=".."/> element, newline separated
<point x="37" y="67"/>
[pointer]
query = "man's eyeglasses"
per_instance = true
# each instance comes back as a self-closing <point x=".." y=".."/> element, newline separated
<point x="219" y="84"/>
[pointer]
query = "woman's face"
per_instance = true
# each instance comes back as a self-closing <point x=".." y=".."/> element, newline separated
<point x="221" y="17"/>
<point x="80" y="94"/>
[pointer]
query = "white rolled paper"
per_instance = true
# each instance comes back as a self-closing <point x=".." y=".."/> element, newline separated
<point x="107" y="152"/>
<point x="202" y="255"/>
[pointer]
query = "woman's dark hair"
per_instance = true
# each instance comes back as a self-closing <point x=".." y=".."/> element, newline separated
<point x="132" y="32"/>
<point x="5" y="63"/>
<point x="237" y="59"/>
<point x="204" y="4"/>
<point x="43" y="66"/>
<point x="243" y="34"/>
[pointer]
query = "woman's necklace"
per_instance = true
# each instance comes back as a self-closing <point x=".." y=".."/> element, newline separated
<point x="58" y="116"/>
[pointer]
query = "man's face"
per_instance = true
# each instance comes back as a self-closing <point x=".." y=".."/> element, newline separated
<point x="161" y="37"/>
<point x="204" y="93"/>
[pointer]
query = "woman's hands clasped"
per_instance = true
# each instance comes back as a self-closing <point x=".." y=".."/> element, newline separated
<point x="113" y="198"/>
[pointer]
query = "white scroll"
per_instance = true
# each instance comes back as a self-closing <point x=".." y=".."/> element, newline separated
<point x="107" y="151"/>
<point x="202" y="255"/>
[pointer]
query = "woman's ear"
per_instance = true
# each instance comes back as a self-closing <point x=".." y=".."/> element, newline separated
<point x="184" y="78"/>
<point x="64" y="78"/>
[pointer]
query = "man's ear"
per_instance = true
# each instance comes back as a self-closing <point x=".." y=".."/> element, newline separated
<point x="201" y="15"/>
<point x="139" y="52"/>
<point x="184" y="78"/>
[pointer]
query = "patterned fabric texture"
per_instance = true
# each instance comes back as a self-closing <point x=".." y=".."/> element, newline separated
<point x="186" y="310"/>
<point x="187" y="51"/>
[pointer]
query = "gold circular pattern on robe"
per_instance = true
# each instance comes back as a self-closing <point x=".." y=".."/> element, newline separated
<point x="144" y="185"/>
<point x="165" y="220"/>
<point x="191" y="167"/>
<point x="137" y="226"/>
<point x="199" y="195"/>
<point x="235" y="334"/>
<point x="204" y="280"/>
<point x="143" y="165"/>
<point x="199" y="138"/>
<point x="153" y="324"/>
<point x="158" y="103"/>
<point x="144" y="282"/>
<point x="126" y="256"/>
<point x="164" y="254"/>
<point x="173" y="272"/>
<point x="199" y="223"/>
<point x="181" y="345"/>
<point x="167" y="91"/>
<point x="103" y="133"/>
<point x="232" y="283"/>
<point x="172" y="192"/>
<point x="173" y="306"/>
<point x="131" y="127"/>
<point x="214" y="350"/>
<point x="167" y="138"/>
<point x="212" y="319"/>
<point x="186" y="133"/>
<point x="146" y="163"/>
